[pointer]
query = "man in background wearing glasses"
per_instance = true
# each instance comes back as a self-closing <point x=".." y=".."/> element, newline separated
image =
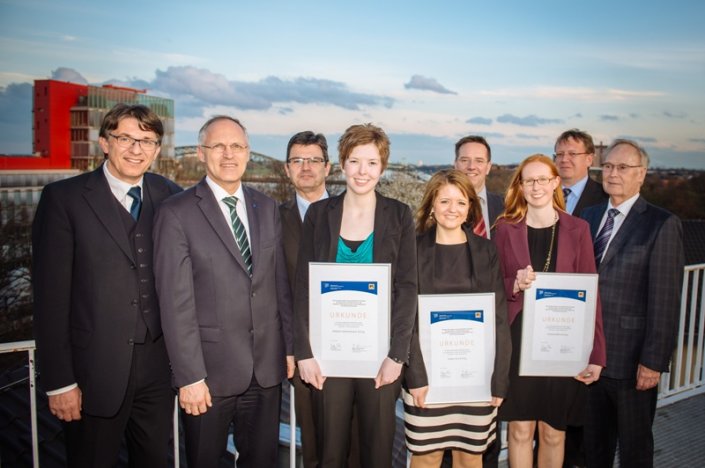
<point x="639" y="253"/>
<point x="100" y="347"/>
<point x="225" y="303"/>
<point x="574" y="153"/>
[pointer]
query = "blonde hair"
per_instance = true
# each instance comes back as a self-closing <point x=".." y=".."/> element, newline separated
<point x="424" y="220"/>
<point x="515" y="205"/>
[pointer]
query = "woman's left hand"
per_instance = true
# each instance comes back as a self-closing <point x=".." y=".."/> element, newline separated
<point x="388" y="373"/>
<point x="590" y="374"/>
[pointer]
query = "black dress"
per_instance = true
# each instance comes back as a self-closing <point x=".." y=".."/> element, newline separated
<point x="558" y="401"/>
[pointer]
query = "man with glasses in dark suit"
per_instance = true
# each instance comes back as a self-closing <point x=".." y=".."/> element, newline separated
<point x="639" y="253"/>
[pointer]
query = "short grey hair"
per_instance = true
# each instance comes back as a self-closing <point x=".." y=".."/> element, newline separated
<point x="214" y="119"/>
<point x="643" y="155"/>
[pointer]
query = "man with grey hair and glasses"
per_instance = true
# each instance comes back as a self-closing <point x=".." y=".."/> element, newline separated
<point x="639" y="256"/>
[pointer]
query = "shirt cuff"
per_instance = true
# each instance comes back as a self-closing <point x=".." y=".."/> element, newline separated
<point x="61" y="390"/>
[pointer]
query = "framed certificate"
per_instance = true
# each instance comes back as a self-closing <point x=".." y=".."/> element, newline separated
<point x="457" y="337"/>
<point x="559" y="324"/>
<point x="349" y="313"/>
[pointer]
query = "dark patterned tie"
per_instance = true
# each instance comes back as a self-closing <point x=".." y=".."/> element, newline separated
<point x="240" y="233"/>
<point x="604" y="236"/>
<point x="566" y="192"/>
<point x="136" y="194"/>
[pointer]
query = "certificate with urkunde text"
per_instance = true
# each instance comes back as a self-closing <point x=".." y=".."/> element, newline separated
<point x="558" y="325"/>
<point x="349" y="313"/>
<point x="457" y="337"/>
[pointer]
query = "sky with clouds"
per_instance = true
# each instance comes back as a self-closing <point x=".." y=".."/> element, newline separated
<point x="517" y="72"/>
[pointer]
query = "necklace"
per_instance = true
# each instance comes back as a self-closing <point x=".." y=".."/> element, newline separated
<point x="550" y="246"/>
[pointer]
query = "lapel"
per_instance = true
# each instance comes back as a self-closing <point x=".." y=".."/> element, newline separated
<point x="565" y="253"/>
<point x="519" y="240"/>
<point x="254" y="224"/>
<point x="629" y="225"/>
<point x="380" y="226"/>
<point x="291" y="219"/>
<point x="426" y="260"/>
<point x="335" y="219"/>
<point x="211" y="210"/>
<point x="102" y="201"/>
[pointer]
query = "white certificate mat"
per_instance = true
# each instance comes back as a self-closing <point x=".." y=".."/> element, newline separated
<point x="457" y="336"/>
<point x="349" y="312"/>
<point x="558" y="325"/>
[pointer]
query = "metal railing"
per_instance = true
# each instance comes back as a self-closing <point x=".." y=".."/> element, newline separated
<point x="686" y="378"/>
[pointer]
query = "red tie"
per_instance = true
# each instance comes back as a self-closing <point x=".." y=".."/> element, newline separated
<point x="480" y="228"/>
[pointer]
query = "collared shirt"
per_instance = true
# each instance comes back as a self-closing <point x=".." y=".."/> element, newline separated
<point x="575" y="192"/>
<point x="120" y="188"/>
<point x="624" y="210"/>
<point x="302" y="204"/>
<point x="482" y="195"/>
<point x="240" y="208"/>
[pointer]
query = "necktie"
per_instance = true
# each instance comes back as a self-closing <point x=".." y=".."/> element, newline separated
<point x="480" y="227"/>
<point x="240" y="234"/>
<point x="136" y="194"/>
<point x="604" y="236"/>
<point x="566" y="192"/>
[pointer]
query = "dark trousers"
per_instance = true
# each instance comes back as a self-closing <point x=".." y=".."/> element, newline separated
<point x="144" y="418"/>
<point x="305" y="420"/>
<point x="255" y="418"/>
<point x="618" y="412"/>
<point x="334" y="406"/>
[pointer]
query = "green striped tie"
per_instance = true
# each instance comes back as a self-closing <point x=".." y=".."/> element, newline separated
<point x="240" y="234"/>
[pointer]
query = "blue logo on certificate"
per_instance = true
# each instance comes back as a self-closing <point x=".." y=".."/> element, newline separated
<point x="361" y="286"/>
<point x="576" y="294"/>
<point x="472" y="315"/>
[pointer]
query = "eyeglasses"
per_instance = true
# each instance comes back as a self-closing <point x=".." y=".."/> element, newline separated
<point x="621" y="168"/>
<point x="311" y="161"/>
<point x="562" y="155"/>
<point x="540" y="181"/>
<point x="125" y="141"/>
<point x="219" y="149"/>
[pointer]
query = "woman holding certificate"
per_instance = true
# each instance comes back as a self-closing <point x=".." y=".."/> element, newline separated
<point x="453" y="260"/>
<point x="535" y="234"/>
<point x="358" y="226"/>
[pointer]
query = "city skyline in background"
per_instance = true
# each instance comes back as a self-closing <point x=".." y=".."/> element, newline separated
<point x="518" y="74"/>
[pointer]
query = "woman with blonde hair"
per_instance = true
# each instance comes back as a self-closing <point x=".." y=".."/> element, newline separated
<point x="451" y="259"/>
<point x="536" y="234"/>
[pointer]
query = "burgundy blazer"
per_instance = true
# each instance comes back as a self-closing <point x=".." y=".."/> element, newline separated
<point x="574" y="255"/>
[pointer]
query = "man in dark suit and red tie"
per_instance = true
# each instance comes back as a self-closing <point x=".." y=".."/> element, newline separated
<point x="574" y="154"/>
<point x="473" y="157"/>
<point x="225" y="304"/>
<point x="639" y="252"/>
<point x="100" y="347"/>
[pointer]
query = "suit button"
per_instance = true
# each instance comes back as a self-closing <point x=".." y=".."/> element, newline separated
<point x="146" y="311"/>
<point x="145" y="296"/>
<point x="132" y="267"/>
<point x="134" y="302"/>
<point x="138" y="235"/>
<point x="140" y="250"/>
<point x="254" y="294"/>
<point x="130" y="341"/>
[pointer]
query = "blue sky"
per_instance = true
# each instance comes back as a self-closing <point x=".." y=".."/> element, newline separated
<point x="517" y="72"/>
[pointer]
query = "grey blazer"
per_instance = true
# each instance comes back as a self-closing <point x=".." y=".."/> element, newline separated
<point x="219" y="323"/>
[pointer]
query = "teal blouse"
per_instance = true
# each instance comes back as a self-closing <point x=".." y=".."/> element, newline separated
<point x="363" y="254"/>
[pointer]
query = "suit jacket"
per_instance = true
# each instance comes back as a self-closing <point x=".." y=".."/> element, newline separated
<point x="291" y="232"/>
<point x="574" y="254"/>
<point x="487" y="277"/>
<point x="394" y="243"/>
<point x="86" y="287"/>
<point x="641" y="276"/>
<point x="593" y="194"/>
<point x="495" y="206"/>
<point x="219" y="323"/>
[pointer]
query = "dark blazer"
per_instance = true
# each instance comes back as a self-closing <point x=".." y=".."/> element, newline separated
<point x="394" y="242"/>
<point x="487" y="277"/>
<point x="86" y="287"/>
<point x="495" y="206"/>
<point x="291" y="232"/>
<point x="593" y="194"/>
<point x="574" y="254"/>
<point x="641" y="276"/>
<point x="219" y="323"/>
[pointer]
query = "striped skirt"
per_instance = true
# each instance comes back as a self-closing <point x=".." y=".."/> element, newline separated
<point x="469" y="427"/>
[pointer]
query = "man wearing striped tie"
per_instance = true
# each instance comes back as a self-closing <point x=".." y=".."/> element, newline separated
<point x="473" y="157"/>
<point x="639" y="256"/>
<point x="225" y="303"/>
